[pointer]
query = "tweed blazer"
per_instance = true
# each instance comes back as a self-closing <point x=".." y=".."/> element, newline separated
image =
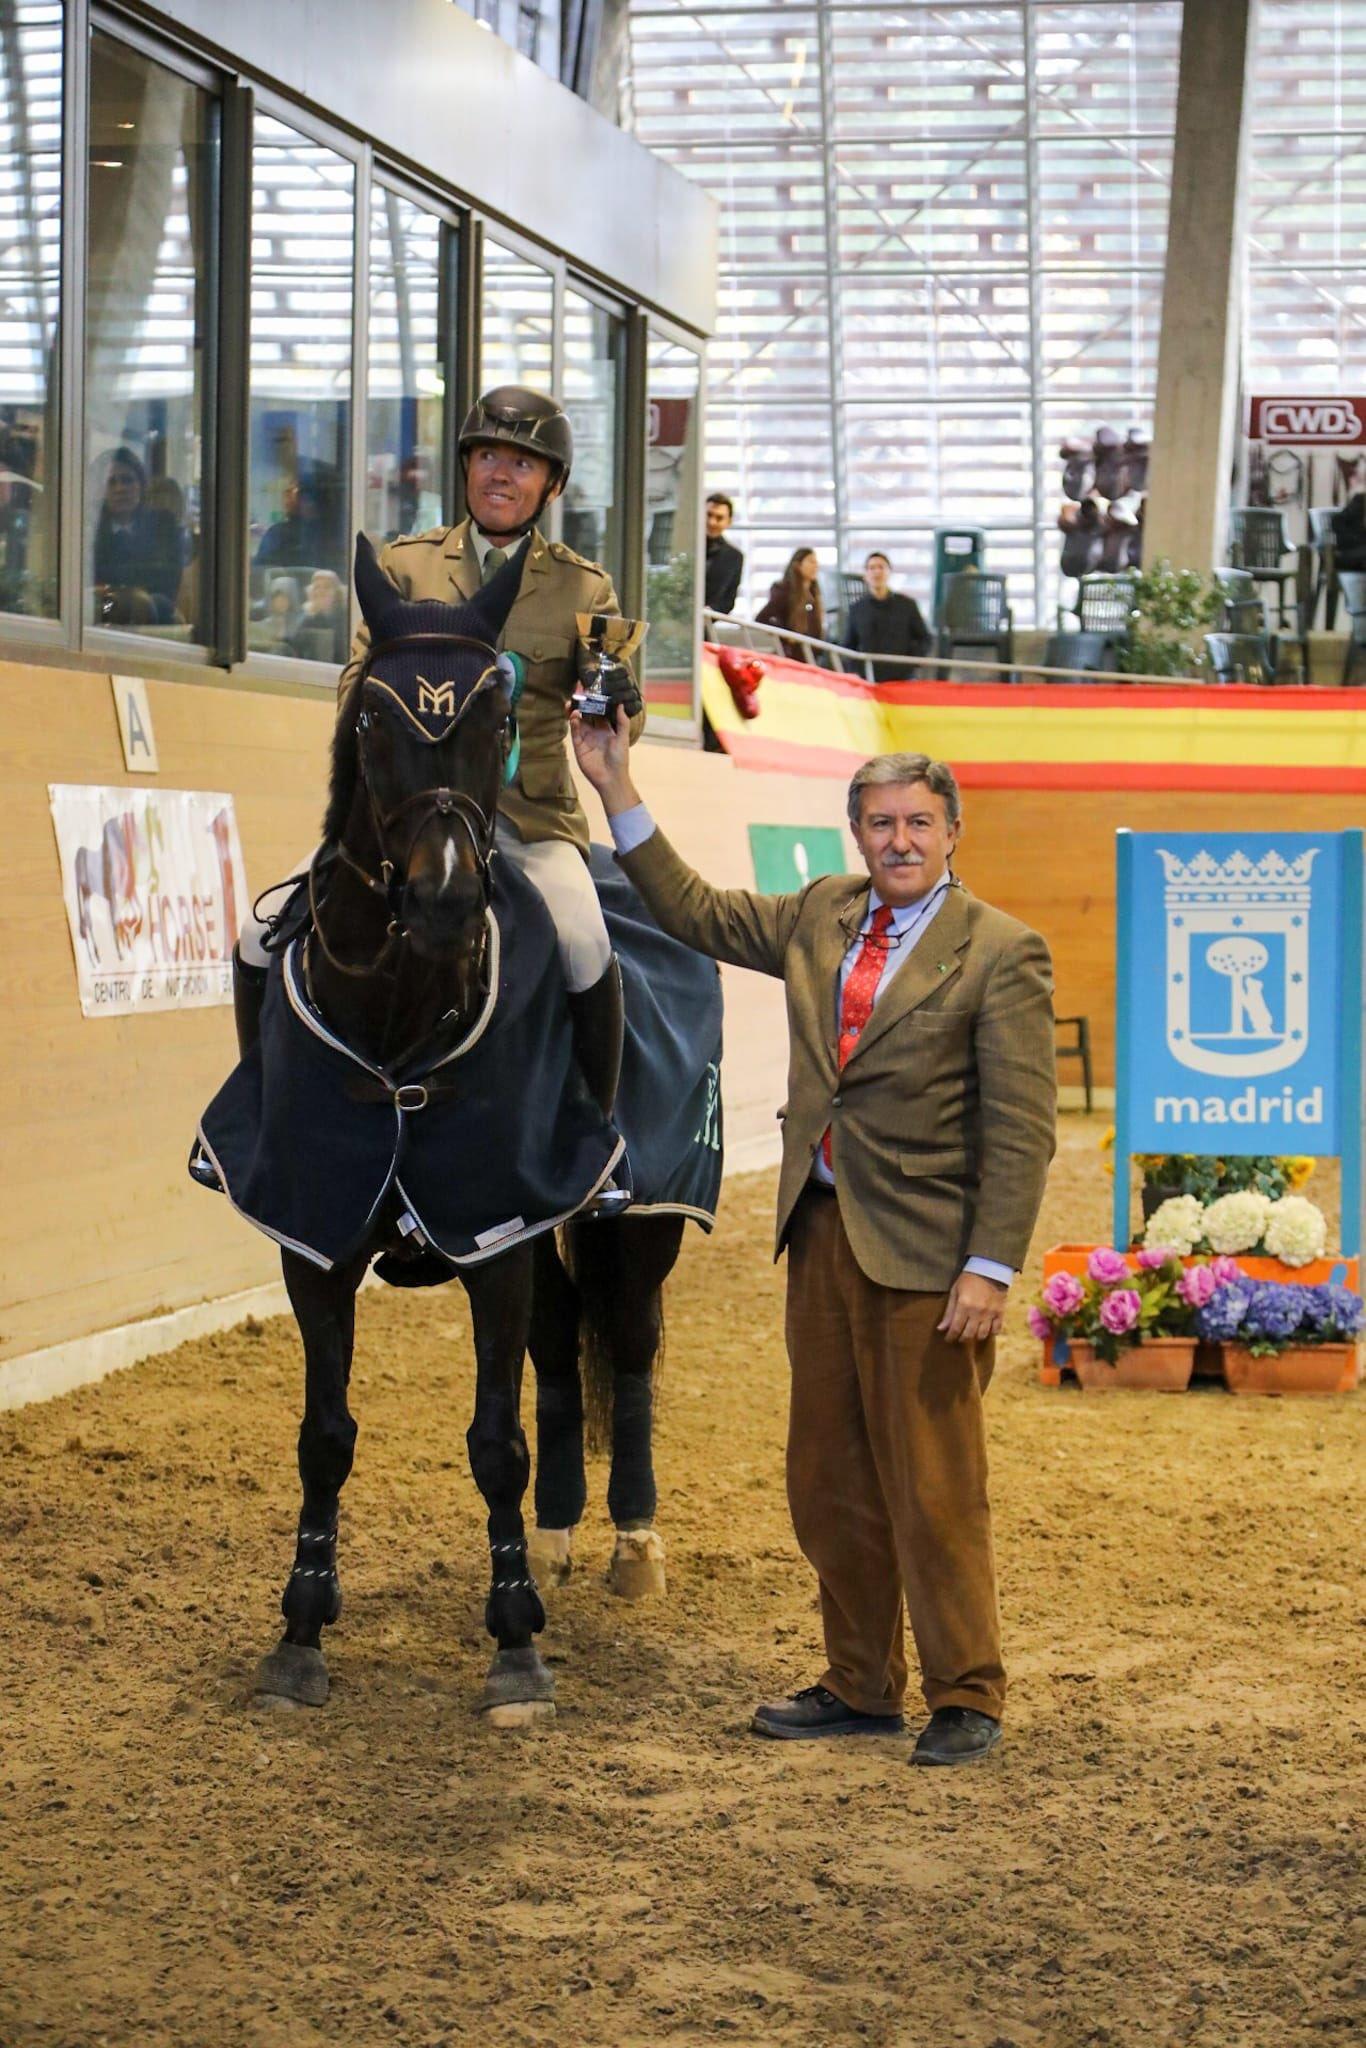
<point x="541" y="802"/>
<point x="942" y="1119"/>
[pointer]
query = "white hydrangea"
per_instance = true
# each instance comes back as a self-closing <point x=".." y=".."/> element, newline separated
<point x="1295" y="1231"/>
<point x="1179" y="1222"/>
<point x="1237" y="1222"/>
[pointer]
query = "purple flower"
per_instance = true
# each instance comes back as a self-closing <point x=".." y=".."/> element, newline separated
<point x="1106" y="1267"/>
<point x="1196" y="1286"/>
<point x="1274" y="1310"/>
<point x="1153" y="1256"/>
<point x="1039" y="1323"/>
<point x="1221" y="1318"/>
<point x="1226" y="1270"/>
<point x="1347" y="1311"/>
<point x="1119" y="1311"/>
<point x="1063" y="1294"/>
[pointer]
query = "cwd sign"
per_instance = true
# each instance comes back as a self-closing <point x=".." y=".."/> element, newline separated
<point x="1308" y="422"/>
<point x="1239" y="1013"/>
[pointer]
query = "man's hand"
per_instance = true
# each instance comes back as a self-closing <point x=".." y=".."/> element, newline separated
<point x="976" y="1309"/>
<point x="602" y="748"/>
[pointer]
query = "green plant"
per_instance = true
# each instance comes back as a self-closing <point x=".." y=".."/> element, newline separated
<point x="1172" y="607"/>
<point x="1205" y="1175"/>
<point x="669" y="598"/>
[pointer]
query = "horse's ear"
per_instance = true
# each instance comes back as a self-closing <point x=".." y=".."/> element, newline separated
<point x="376" y="593"/>
<point x="495" y="600"/>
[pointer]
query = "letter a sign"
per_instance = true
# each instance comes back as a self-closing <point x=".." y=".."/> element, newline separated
<point x="1239" y="1013"/>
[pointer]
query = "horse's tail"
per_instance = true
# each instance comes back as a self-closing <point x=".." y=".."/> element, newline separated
<point x="614" y="1311"/>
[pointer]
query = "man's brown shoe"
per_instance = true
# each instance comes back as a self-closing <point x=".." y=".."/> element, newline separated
<point x="815" y="1712"/>
<point x="956" y="1735"/>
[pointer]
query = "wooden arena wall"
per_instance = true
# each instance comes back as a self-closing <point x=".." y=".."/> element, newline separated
<point x="99" y="1224"/>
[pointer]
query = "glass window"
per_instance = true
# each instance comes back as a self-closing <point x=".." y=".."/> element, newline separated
<point x="517" y="321"/>
<point x="594" y="362"/>
<point x="149" y="310"/>
<point x="405" y="414"/>
<point x="30" y="253"/>
<point x="672" y="464"/>
<point x="893" y="153"/>
<point x="303" y="233"/>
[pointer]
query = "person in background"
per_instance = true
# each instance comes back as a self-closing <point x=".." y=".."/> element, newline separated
<point x="297" y="540"/>
<point x="725" y="563"/>
<point x="320" y="634"/>
<point x="886" y="622"/>
<point x="281" y="616"/>
<point x="794" y="602"/>
<point x="137" y="556"/>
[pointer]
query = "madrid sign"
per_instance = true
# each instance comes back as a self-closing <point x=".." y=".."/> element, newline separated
<point x="1239" y="1000"/>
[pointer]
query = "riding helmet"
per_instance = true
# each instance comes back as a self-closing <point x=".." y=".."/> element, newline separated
<point x="528" y="419"/>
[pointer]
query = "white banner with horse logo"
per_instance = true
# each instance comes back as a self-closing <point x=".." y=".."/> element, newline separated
<point x="154" y="888"/>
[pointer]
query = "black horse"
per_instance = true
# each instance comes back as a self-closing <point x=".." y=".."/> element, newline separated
<point x="393" y="964"/>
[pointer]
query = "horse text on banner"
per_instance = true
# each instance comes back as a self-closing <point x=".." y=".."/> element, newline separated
<point x="1239" y="1012"/>
<point x="154" y="889"/>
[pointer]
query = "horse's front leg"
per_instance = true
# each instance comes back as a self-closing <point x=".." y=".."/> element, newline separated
<point x="325" y="1307"/>
<point x="561" y="1485"/>
<point x="519" y="1689"/>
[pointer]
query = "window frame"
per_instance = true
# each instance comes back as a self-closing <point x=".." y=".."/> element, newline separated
<point x="680" y="732"/>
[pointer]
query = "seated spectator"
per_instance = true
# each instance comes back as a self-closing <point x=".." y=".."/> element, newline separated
<point x="886" y="622"/>
<point x="297" y="541"/>
<point x="1349" y="532"/>
<point x="137" y="552"/>
<point x="724" y="560"/>
<point x="281" y="617"/>
<point x="794" y="602"/>
<point x="321" y="633"/>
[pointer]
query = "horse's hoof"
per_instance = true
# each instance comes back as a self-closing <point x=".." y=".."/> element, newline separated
<point x="548" y="1554"/>
<point x="293" y="1671"/>
<point x="519" y="1689"/>
<point x="520" y="1714"/>
<point x="637" y="1568"/>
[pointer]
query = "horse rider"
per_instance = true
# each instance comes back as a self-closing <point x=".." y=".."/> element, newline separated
<point x="517" y="449"/>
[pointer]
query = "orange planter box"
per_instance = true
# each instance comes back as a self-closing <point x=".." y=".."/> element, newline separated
<point x="1072" y="1258"/>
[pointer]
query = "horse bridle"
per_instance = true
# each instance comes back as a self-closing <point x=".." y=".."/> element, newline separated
<point x="436" y="802"/>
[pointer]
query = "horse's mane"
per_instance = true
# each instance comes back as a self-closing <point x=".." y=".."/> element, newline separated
<point x="345" y="767"/>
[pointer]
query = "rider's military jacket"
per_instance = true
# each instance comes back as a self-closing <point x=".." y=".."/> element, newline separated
<point x="541" y="801"/>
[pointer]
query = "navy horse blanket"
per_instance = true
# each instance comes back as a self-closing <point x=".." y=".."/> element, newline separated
<point x="498" y="1139"/>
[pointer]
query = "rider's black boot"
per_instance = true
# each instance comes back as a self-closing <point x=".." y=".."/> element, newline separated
<point x="599" y="1017"/>
<point x="248" y="994"/>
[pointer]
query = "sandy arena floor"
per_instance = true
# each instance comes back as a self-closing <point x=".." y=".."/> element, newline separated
<point x="1164" y="1850"/>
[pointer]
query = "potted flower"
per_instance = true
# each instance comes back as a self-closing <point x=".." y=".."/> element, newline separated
<point x="1245" y="1220"/>
<point x="1278" y="1337"/>
<point x="1123" y="1325"/>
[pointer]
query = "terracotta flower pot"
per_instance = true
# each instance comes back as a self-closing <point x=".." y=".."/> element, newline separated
<point x="1307" y="1369"/>
<point x="1161" y="1364"/>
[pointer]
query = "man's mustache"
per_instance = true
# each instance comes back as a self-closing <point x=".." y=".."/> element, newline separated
<point x="902" y="860"/>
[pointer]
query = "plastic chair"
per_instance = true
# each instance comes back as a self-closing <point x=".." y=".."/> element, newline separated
<point x="1258" y="544"/>
<point x="955" y="548"/>
<point x="1096" y="653"/>
<point x="976" y="614"/>
<point x="1240" y="658"/>
<point x="1323" y="537"/>
<point x="1104" y="604"/>
<point x="1079" y="1049"/>
<point x="1352" y="583"/>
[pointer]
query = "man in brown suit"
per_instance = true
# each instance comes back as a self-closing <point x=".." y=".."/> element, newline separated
<point x="916" y="1140"/>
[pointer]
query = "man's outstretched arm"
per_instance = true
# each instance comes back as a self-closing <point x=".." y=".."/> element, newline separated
<point x="735" y="925"/>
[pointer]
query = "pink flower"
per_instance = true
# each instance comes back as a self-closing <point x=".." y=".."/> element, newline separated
<point x="1153" y="1256"/>
<point x="1119" y="1311"/>
<point x="1107" y="1267"/>
<point x="1196" y="1286"/>
<point x="1039" y="1324"/>
<point x="1224" y="1270"/>
<point x="1063" y="1294"/>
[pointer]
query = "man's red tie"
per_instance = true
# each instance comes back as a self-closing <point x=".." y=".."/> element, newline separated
<point x="856" y="1004"/>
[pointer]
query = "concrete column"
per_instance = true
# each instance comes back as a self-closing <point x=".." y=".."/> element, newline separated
<point x="1198" y="353"/>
